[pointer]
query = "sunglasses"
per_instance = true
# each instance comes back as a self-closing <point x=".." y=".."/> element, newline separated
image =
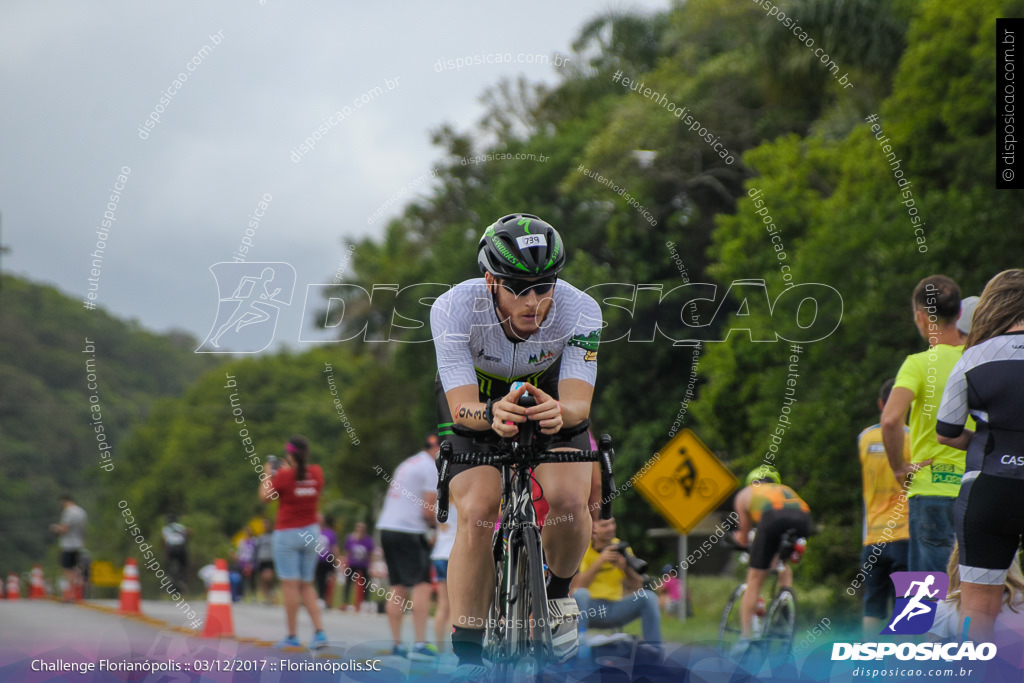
<point x="521" y="287"/>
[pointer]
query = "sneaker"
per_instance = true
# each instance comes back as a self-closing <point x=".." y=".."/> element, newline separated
<point x="319" y="641"/>
<point x="599" y="639"/>
<point x="290" y="641"/>
<point x="565" y="641"/>
<point x="470" y="672"/>
<point x="424" y="652"/>
<point x="400" y="651"/>
<point x="737" y="651"/>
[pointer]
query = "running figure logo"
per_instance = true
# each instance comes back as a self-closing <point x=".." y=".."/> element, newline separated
<point x="250" y="298"/>
<point x="914" y="612"/>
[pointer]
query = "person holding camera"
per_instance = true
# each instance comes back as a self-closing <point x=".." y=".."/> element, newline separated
<point x="297" y="486"/>
<point x="609" y="587"/>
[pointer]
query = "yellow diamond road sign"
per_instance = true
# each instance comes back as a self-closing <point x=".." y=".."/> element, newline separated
<point x="104" y="574"/>
<point x="686" y="482"/>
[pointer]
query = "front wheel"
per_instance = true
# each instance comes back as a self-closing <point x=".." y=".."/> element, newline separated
<point x="729" y="630"/>
<point x="526" y="628"/>
<point x="531" y="605"/>
<point x="780" y="624"/>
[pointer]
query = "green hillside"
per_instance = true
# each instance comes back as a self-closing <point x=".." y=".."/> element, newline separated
<point x="51" y="436"/>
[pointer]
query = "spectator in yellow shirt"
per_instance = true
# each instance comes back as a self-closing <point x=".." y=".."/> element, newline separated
<point x="609" y="593"/>
<point x="886" y="527"/>
<point x="934" y="473"/>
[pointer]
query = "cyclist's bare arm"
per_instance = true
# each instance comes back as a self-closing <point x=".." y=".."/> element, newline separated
<point x="572" y="407"/>
<point x="742" y="506"/>
<point x="466" y="408"/>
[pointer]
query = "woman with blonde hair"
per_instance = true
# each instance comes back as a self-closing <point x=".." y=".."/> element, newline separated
<point x="987" y="383"/>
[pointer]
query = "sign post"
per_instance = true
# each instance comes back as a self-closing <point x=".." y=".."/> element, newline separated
<point x="685" y="484"/>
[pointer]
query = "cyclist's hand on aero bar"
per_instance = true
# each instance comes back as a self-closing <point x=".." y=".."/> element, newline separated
<point x="547" y="412"/>
<point x="509" y="410"/>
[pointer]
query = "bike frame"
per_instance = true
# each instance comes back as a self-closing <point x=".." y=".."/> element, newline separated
<point x="517" y="514"/>
<point x="508" y="642"/>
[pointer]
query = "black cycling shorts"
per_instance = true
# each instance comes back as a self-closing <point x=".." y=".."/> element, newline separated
<point x="989" y="521"/>
<point x="773" y="524"/>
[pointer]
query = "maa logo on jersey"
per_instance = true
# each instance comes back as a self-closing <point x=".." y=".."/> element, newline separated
<point x="542" y="357"/>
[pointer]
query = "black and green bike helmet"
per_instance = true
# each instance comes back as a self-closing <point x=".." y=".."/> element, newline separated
<point x="521" y="246"/>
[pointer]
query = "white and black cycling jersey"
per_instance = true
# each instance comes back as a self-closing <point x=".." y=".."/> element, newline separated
<point x="472" y="348"/>
<point x="988" y="383"/>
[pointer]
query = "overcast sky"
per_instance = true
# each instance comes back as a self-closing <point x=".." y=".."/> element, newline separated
<point x="79" y="79"/>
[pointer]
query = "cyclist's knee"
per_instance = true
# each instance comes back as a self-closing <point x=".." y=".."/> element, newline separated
<point x="571" y="504"/>
<point x="477" y="515"/>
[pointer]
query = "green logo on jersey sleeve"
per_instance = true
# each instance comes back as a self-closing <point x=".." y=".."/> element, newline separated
<point x="587" y="342"/>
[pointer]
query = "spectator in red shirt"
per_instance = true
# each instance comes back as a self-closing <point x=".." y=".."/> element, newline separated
<point x="297" y="486"/>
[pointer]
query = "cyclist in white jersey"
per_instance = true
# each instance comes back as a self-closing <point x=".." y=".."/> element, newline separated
<point x="517" y="323"/>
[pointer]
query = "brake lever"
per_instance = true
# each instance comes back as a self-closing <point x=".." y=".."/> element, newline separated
<point x="443" y="466"/>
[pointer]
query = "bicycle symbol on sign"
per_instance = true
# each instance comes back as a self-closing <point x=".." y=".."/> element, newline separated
<point x="685" y="477"/>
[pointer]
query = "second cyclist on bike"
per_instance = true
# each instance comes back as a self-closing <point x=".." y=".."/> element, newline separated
<point x="774" y="508"/>
<point x="517" y="323"/>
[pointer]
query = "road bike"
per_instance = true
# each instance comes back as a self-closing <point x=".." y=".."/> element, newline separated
<point x="518" y="630"/>
<point x="772" y="630"/>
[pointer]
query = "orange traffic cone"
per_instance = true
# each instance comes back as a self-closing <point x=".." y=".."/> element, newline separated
<point x="131" y="591"/>
<point x="38" y="589"/>
<point x="13" y="587"/>
<point x="218" y="604"/>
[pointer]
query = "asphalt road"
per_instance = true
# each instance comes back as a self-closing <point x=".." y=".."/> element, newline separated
<point x="42" y="631"/>
<point x="47" y="630"/>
